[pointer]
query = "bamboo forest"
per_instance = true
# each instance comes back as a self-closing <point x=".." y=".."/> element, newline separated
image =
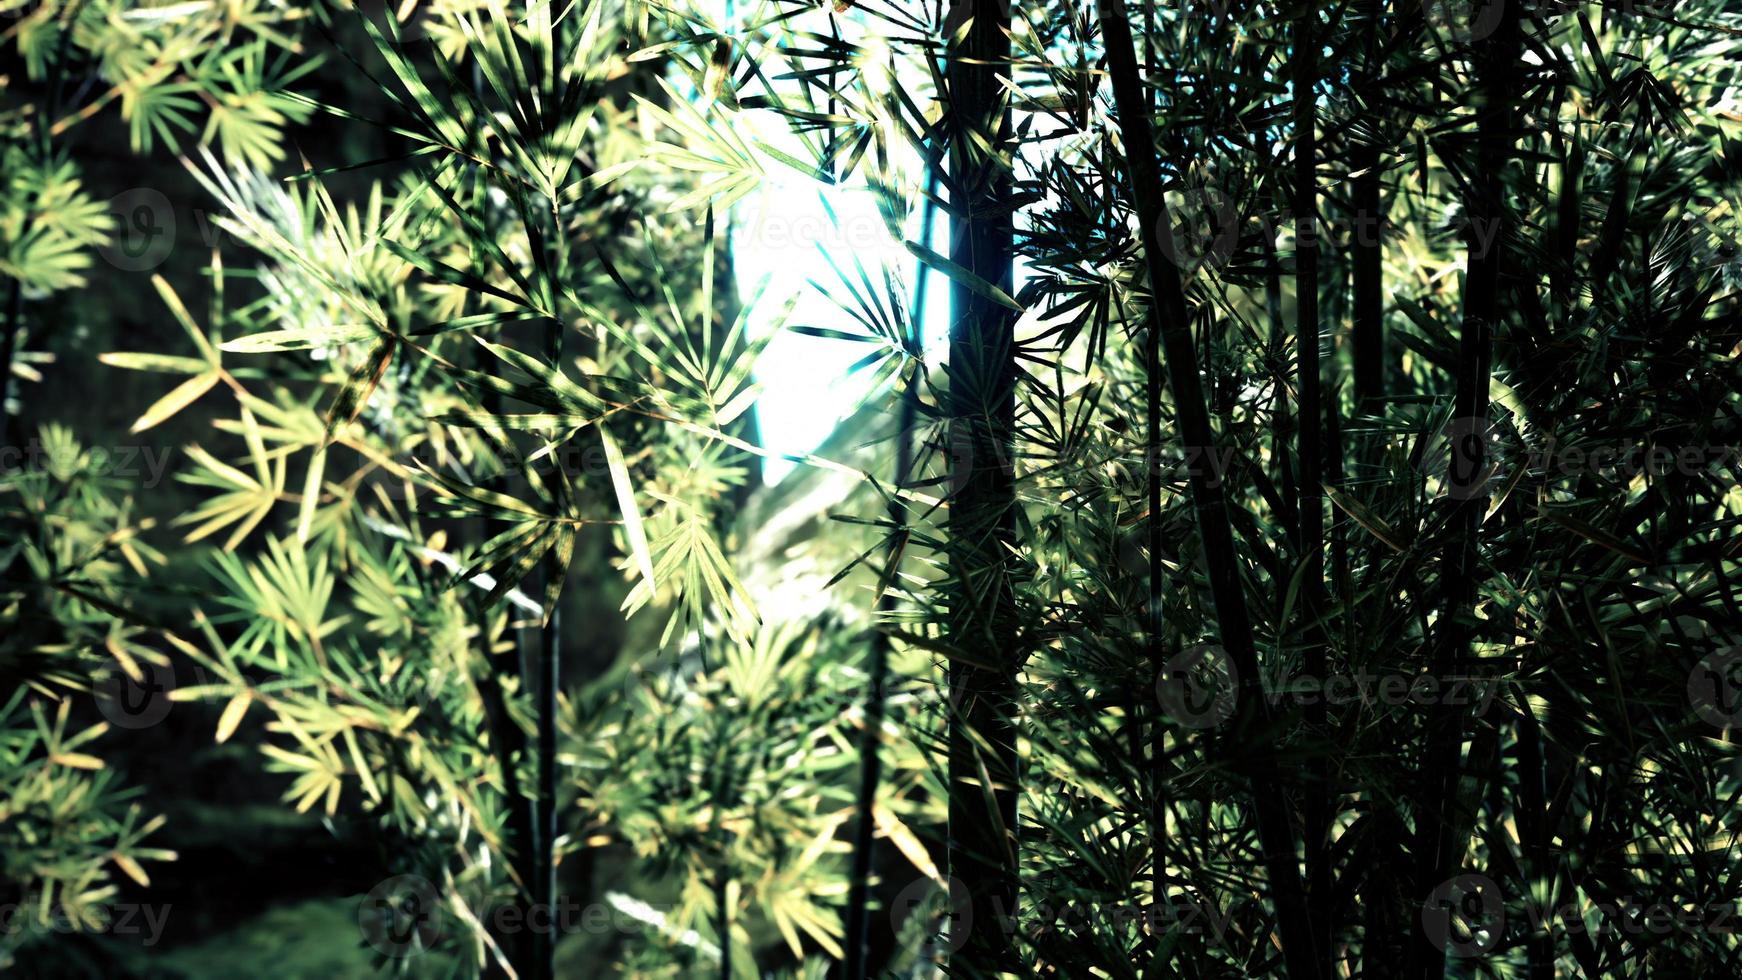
<point x="812" y="489"/>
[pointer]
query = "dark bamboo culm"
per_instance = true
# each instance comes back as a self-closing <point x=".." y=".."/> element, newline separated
<point x="1169" y="317"/>
<point x="1437" y="836"/>
<point x="982" y="406"/>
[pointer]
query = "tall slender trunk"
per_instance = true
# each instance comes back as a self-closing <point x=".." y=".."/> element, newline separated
<point x="1497" y="81"/>
<point x="507" y="738"/>
<point x="1367" y="333"/>
<point x="870" y="743"/>
<point x="9" y="339"/>
<point x="982" y="527"/>
<point x="1153" y="617"/>
<point x="1310" y="545"/>
<point x="1381" y="928"/>
<point x="1170" y="319"/>
<point x="544" y="884"/>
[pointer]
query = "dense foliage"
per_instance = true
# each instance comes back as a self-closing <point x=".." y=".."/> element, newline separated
<point x="1310" y="554"/>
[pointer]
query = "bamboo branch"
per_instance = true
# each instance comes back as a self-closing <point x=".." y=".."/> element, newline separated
<point x="1169" y="318"/>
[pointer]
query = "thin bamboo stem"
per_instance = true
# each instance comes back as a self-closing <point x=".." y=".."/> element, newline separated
<point x="870" y="755"/>
<point x="1170" y="318"/>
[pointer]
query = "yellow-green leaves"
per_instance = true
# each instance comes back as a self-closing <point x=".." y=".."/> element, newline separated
<point x="48" y="225"/>
<point x="688" y="555"/>
<point x="280" y="599"/>
<point x="632" y="526"/>
<point x="711" y="147"/>
<point x="246" y="499"/>
<point x="206" y="370"/>
<point x="132" y="869"/>
<point x="179" y="397"/>
<point x="301" y="338"/>
<point x="141" y="361"/>
<point x="232" y="716"/>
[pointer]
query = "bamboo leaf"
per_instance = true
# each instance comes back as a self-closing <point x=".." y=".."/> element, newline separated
<point x="632" y="526"/>
<point x="180" y="397"/>
<point x="964" y="276"/>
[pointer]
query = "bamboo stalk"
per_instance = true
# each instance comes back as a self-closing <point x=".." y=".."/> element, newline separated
<point x="1436" y="847"/>
<point x="1310" y="544"/>
<point x="982" y="534"/>
<point x="858" y="946"/>
<point x="1367" y="332"/>
<point x="544" y="886"/>
<point x="1169" y="318"/>
<point x="8" y="345"/>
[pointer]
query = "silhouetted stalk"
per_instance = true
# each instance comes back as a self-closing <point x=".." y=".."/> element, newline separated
<point x="9" y="339"/>
<point x="507" y="738"/>
<point x="544" y="886"/>
<point x="982" y="529"/>
<point x="871" y="740"/>
<point x="1496" y="80"/>
<point x="1310" y="544"/>
<point x="1367" y="342"/>
<point x="1532" y="809"/>
<point x="1153" y="615"/>
<point x="1169" y="318"/>
<point x="1367" y="335"/>
<point x="1335" y="458"/>
<point x="1281" y="413"/>
<point x="723" y="923"/>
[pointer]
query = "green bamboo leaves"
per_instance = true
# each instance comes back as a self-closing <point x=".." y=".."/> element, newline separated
<point x="206" y="372"/>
